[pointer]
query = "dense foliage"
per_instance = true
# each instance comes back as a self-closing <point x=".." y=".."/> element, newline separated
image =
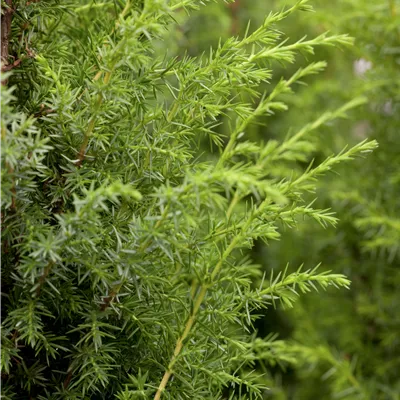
<point x="126" y="249"/>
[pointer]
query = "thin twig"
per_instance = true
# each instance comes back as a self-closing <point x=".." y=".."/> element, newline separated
<point x="9" y="67"/>
<point x="179" y="343"/>
<point x="6" y="19"/>
<point x="108" y="300"/>
<point x="67" y="379"/>
<point x="42" y="279"/>
<point x="199" y="300"/>
<point x="234" y="7"/>
<point x="18" y="61"/>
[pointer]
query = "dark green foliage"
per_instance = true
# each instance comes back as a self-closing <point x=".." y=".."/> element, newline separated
<point x="125" y="252"/>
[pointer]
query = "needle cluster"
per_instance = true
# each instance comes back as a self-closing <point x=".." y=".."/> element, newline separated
<point x="125" y="250"/>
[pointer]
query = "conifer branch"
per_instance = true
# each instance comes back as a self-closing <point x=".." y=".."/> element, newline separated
<point x="92" y="122"/>
<point x="180" y="342"/>
<point x="99" y="101"/>
<point x="198" y="301"/>
<point x="155" y="233"/>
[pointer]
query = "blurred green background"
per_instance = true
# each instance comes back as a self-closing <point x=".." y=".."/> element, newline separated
<point x="346" y="343"/>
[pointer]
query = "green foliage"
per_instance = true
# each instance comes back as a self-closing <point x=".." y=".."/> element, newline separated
<point x="359" y="329"/>
<point x="126" y="270"/>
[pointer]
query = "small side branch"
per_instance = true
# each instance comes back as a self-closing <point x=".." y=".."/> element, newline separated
<point x="67" y="380"/>
<point x="42" y="279"/>
<point x="108" y="300"/>
<point x="199" y="301"/>
<point x="180" y="341"/>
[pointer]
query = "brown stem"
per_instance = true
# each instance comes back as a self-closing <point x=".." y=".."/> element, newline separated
<point x="42" y="279"/>
<point x="43" y="111"/>
<point x="6" y="19"/>
<point x="234" y="7"/>
<point x="107" y="301"/>
<point x="67" y="379"/>
<point x="9" y="67"/>
<point x="18" y="61"/>
<point x="14" y="336"/>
